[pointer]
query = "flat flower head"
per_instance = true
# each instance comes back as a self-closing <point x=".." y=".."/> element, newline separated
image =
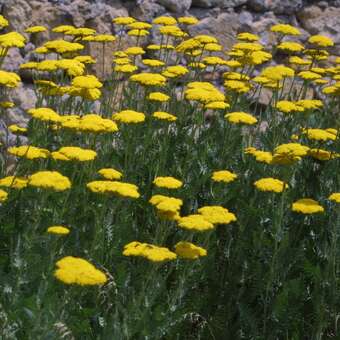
<point x="3" y="195"/>
<point x="335" y="197"/>
<point x="58" y="230"/>
<point x="86" y="82"/>
<point x="153" y="62"/>
<point x="307" y="206"/>
<point x="148" y="79"/>
<point x="165" y="20"/>
<point x="195" y="222"/>
<point x="123" y="21"/>
<point x="35" y="29"/>
<point x="294" y="149"/>
<point x="45" y="114"/>
<point x="158" y="97"/>
<point x="51" y="180"/>
<point x="74" y="270"/>
<point x="110" y="174"/>
<point x="28" y="151"/>
<point x="165" y="116"/>
<point x="321" y="41"/>
<point x="320" y="135"/>
<point x="120" y="189"/>
<point x="188" y="20"/>
<point x="188" y="250"/>
<point x="75" y="153"/>
<point x="287" y="106"/>
<point x="13" y="182"/>
<point x="285" y="29"/>
<point x="240" y="118"/>
<point x="270" y="184"/>
<point x="129" y="116"/>
<point x="135" y="50"/>
<point x="167" y="182"/>
<point x="223" y="176"/>
<point x="217" y="215"/>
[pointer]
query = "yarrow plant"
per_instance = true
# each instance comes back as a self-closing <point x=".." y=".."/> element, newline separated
<point x="164" y="177"/>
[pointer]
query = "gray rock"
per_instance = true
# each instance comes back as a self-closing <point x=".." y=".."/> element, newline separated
<point x="146" y="10"/>
<point x="176" y="5"/>
<point x="218" y="3"/>
<point x="277" y="6"/>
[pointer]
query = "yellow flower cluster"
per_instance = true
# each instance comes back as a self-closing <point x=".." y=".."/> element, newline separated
<point x="167" y="182"/>
<point x="51" y="180"/>
<point x="117" y="188"/>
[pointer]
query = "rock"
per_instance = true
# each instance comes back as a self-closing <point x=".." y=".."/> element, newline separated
<point x="175" y="5"/>
<point x="12" y="60"/>
<point x="146" y="10"/>
<point x="224" y="27"/>
<point x="277" y="6"/>
<point x="218" y="3"/>
<point x="318" y="21"/>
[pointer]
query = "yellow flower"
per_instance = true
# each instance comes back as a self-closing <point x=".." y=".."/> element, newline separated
<point x="149" y="251"/>
<point x="320" y="135"/>
<point x="248" y="46"/>
<point x="138" y="33"/>
<point x="189" y="251"/>
<point x="58" y="230"/>
<point x="335" y="197"/>
<point x="285" y="29"/>
<point x="322" y="155"/>
<point x="188" y="20"/>
<point x="167" y="182"/>
<point x="299" y="61"/>
<point x="62" y="28"/>
<point x="85" y="59"/>
<point x="28" y="151"/>
<point x="290" y="46"/>
<point x="127" y="68"/>
<point x="139" y="25"/>
<point x="13" y="182"/>
<point x="240" y="118"/>
<point x="175" y="71"/>
<point x="223" y="176"/>
<point x="123" y="20"/>
<point x="12" y="39"/>
<point x="102" y="38"/>
<point x="87" y="82"/>
<point x="216" y="214"/>
<point x="44" y="114"/>
<point x="135" y="50"/>
<point x="205" y="39"/>
<point x="35" y="29"/>
<point x="74" y="153"/>
<point x="80" y="32"/>
<point x="217" y="106"/>
<point x="110" y="174"/>
<point x="49" y="180"/>
<point x="310" y="104"/>
<point x="158" y="97"/>
<point x="203" y="92"/>
<point x="166" y="203"/>
<point x="294" y="149"/>
<point x="195" y="222"/>
<point x="118" y="188"/>
<point x="237" y="86"/>
<point x="214" y="60"/>
<point x="246" y="36"/>
<point x="173" y="31"/>
<point x="287" y="106"/>
<point x="270" y="184"/>
<point x="7" y="105"/>
<point x="153" y="62"/>
<point x="63" y="46"/>
<point x="148" y="79"/>
<point x="3" y="196"/>
<point x="3" y="22"/>
<point x="260" y="156"/>
<point x="307" y="206"/>
<point x="308" y="75"/>
<point x="278" y="72"/>
<point x="9" y="79"/>
<point x="122" y="61"/>
<point x="75" y="270"/>
<point x="321" y="41"/>
<point x="164" y="116"/>
<point x="17" y="129"/>
<point x="129" y="116"/>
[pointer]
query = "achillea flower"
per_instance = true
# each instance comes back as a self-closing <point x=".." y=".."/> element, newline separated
<point x="110" y="174"/>
<point x="309" y="75"/>
<point x="74" y="153"/>
<point x="129" y="116"/>
<point x="52" y="180"/>
<point x="16" y="129"/>
<point x="138" y="33"/>
<point x="223" y="176"/>
<point x="139" y="25"/>
<point x="175" y="71"/>
<point x="299" y="61"/>
<point x="160" y="115"/>
<point x="35" y="29"/>
<point x="58" y="230"/>
<point x="12" y="39"/>
<point x="335" y="197"/>
<point x="278" y="72"/>
<point x="173" y="31"/>
<point x="307" y="206"/>
<point x="285" y="29"/>
<point x="321" y="41"/>
<point x="167" y="182"/>
<point x="86" y="82"/>
<point x="287" y="106"/>
<point x="189" y="251"/>
<point x="75" y="270"/>
<point x="158" y="97"/>
<point x="63" y="46"/>
<point x="123" y="21"/>
<point x="205" y="39"/>
<point x="322" y="155"/>
<point x="3" y="196"/>
<point x="217" y="106"/>
<point x="237" y="86"/>
<point x="195" y="222"/>
<point x="216" y="214"/>
<point x="148" y="79"/>
<point x="9" y="79"/>
<point x="320" y="135"/>
<point x="116" y="188"/>
<point x="101" y="38"/>
<point x="153" y="62"/>
<point x="310" y="104"/>
<point x="149" y="251"/>
<point x="127" y="68"/>
<point x="246" y="36"/>
<point x="28" y="151"/>
<point x="166" y="204"/>
<point x="13" y="182"/>
<point x="290" y="46"/>
<point x="188" y="20"/>
<point x="45" y="114"/>
<point x="270" y="184"/>
<point x="3" y="22"/>
<point x="260" y="156"/>
<point x="165" y="20"/>
<point x="240" y="118"/>
<point x="135" y="50"/>
<point x="248" y="46"/>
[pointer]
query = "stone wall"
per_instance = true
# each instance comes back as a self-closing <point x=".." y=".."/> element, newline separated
<point x="222" y="18"/>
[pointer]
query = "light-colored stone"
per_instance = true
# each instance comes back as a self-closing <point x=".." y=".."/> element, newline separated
<point x="218" y="3"/>
<point x="177" y="6"/>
